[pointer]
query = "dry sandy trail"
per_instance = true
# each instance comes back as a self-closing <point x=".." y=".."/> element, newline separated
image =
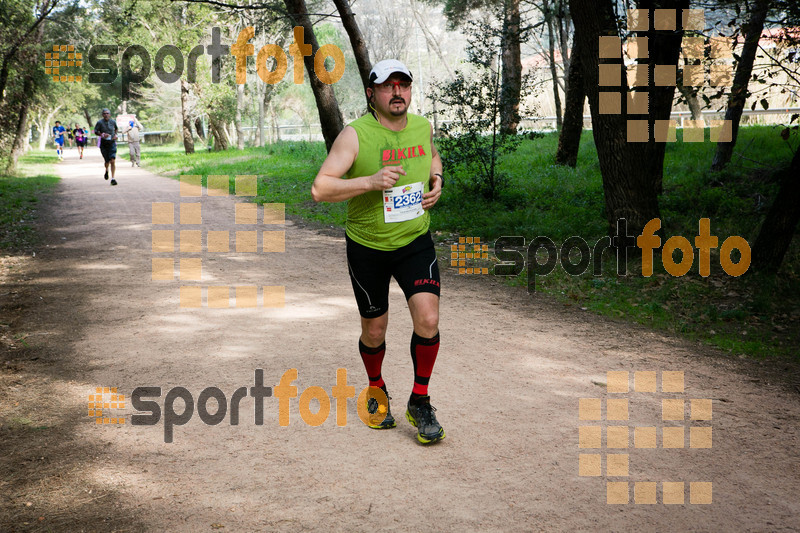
<point x="507" y="384"/>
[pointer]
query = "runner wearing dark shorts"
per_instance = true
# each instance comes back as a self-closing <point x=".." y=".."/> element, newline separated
<point x="386" y="166"/>
<point x="414" y="266"/>
<point x="80" y="139"/>
<point x="106" y="129"/>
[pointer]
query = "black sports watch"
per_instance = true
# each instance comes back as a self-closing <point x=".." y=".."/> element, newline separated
<point x="441" y="178"/>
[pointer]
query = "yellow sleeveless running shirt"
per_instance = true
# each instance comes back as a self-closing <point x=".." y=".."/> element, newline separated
<point x="379" y="146"/>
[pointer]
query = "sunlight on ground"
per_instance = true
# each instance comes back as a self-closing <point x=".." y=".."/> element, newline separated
<point x="102" y="266"/>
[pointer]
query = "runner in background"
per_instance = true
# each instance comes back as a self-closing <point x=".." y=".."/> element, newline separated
<point x="58" y="138"/>
<point x="80" y="139"/>
<point x="106" y="129"/>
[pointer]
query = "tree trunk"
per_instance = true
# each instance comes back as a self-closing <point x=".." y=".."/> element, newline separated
<point x="357" y="41"/>
<point x="261" y="139"/>
<point x="218" y="130"/>
<point x="551" y="53"/>
<point x="265" y="104"/>
<point x="21" y="135"/>
<point x="45" y="132"/>
<point x="564" y="21"/>
<point x="276" y="130"/>
<point x="88" y="118"/>
<point x="228" y="129"/>
<point x="198" y="127"/>
<point x="631" y="165"/>
<point x="665" y="49"/>
<point x="39" y="122"/>
<point x="690" y="95"/>
<point x="512" y="69"/>
<point x="569" y="140"/>
<point x="330" y="118"/>
<point x="779" y="225"/>
<point x="36" y="121"/>
<point x="739" y="92"/>
<point x="188" y="140"/>
<point x="238" y="119"/>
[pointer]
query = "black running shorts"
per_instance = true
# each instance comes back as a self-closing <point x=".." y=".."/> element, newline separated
<point x="108" y="149"/>
<point x="414" y="267"/>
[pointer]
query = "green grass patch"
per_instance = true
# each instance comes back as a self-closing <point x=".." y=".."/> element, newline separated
<point x="19" y="199"/>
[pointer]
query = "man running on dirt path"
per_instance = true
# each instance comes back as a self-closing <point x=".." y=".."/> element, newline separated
<point x="387" y="168"/>
<point x="80" y="139"/>
<point x="106" y="129"/>
<point x="58" y="139"/>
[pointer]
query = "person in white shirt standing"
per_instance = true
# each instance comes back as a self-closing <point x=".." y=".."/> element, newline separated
<point x="133" y="130"/>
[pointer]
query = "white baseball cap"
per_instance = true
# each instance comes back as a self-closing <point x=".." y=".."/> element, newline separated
<point x="383" y="69"/>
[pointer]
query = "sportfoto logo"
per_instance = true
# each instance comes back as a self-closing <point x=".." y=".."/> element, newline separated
<point x="638" y="72"/>
<point x="54" y="62"/>
<point x="284" y="391"/>
<point x="101" y="58"/>
<point x="512" y="260"/>
<point x="195" y="238"/>
<point x="609" y="417"/>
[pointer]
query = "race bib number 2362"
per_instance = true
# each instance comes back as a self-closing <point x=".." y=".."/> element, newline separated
<point x="402" y="203"/>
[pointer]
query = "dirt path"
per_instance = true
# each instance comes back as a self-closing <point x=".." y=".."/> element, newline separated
<point x="85" y="313"/>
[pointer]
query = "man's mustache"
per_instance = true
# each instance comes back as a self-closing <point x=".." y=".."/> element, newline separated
<point x="397" y="100"/>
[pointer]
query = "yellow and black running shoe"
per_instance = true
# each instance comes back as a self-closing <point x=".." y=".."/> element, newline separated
<point x="421" y="416"/>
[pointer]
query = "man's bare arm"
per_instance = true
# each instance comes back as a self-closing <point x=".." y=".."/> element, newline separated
<point x="330" y="186"/>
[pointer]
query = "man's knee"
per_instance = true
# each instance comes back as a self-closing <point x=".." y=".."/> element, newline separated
<point x="427" y="323"/>
<point x="374" y="331"/>
<point x="425" y="313"/>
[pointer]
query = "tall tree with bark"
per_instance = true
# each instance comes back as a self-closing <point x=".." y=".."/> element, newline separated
<point x="739" y="93"/>
<point x="569" y="139"/>
<point x="781" y="223"/>
<point x="21" y="133"/>
<point x="330" y="117"/>
<point x="631" y="161"/>
<point x="511" y="74"/>
<point x="778" y="228"/>
<point x="186" y="121"/>
<point x="549" y="9"/>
